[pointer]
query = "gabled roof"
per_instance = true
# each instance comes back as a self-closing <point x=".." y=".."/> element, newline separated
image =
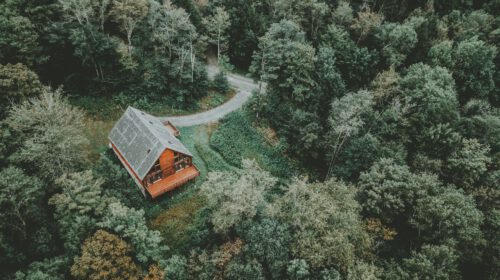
<point x="141" y="139"/>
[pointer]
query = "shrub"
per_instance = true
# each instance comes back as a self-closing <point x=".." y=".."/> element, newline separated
<point x="220" y="82"/>
<point x="237" y="139"/>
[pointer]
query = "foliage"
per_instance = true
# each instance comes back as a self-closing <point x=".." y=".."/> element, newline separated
<point x="353" y="62"/>
<point x="398" y="98"/>
<point x="175" y="268"/>
<point x="325" y="223"/>
<point x="399" y="40"/>
<point x="474" y="69"/>
<point x="433" y="261"/>
<point x="78" y="207"/>
<point x="52" y="133"/>
<point x="128" y="14"/>
<point x="433" y="106"/>
<point x="390" y="190"/>
<point x="217" y="26"/>
<point x="19" y="41"/>
<point x="220" y="82"/>
<point x="22" y="213"/>
<point x="131" y="225"/>
<point x="234" y="198"/>
<point x="267" y="240"/>
<point x="17" y="83"/>
<point x="105" y="256"/>
<point x="448" y="215"/>
<point x="237" y="139"/>
<point x="345" y="120"/>
<point x="468" y="164"/>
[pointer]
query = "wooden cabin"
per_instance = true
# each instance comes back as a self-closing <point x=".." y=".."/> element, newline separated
<point x="150" y="151"/>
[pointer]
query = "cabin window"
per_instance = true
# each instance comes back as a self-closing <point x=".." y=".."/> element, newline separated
<point x="181" y="162"/>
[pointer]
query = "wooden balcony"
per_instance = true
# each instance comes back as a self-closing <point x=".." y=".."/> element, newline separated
<point x="173" y="181"/>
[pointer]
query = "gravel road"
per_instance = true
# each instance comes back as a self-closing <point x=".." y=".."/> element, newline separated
<point x="243" y="86"/>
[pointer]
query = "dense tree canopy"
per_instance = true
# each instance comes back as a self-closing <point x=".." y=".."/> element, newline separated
<point x="385" y="112"/>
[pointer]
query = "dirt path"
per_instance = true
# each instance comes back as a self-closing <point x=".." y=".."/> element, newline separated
<point x="244" y="87"/>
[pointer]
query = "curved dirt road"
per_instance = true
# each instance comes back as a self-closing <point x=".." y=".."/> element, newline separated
<point x="244" y="87"/>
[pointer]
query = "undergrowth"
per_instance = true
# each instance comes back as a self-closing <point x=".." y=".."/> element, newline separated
<point x="236" y="139"/>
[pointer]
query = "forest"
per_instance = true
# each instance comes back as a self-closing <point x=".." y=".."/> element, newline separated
<point x="370" y="150"/>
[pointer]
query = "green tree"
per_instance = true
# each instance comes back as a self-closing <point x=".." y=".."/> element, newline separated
<point x="343" y="14"/>
<point x="390" y="191"/>
<point x="286" y="63"/>
<point x="492" y="226"/>
<point x="105" y="256"/>
<point x="346" y="121"/>
<point x="171" y="29"/>
<point x="85" y="20"/>
<point x="244" y="270"/>
<point x="326" y="227"/>
<point x="474" y="69"/>
<point x="441" y="54"/>
<point x="398" y="41"/>
<point x="128" y="14"/>
<point x="450" y="215"/>
<point x="78" y="207"/>
<point x="217" y="26"/>
<point x="329" y="79"/>
<point x="363" y="270"/>
<point x="234" y="198"/>
<point x="21" y="214"/>
<point x="175" y="268"/>
<point x="249" y="20"/>
<point x="468" y="164"/>
<point x="354" y="63"/>
<point x="268" y="241"/>
<point x="19" y="41"/>
<point x="17" y="83"/>
<point x="366" y="22"/>
<point x="288" y="73"/>
<point x="131" y="225"/>
<point x="50" y="269"/>
<point x="312" y="15"/>
<point x="220" y="82"/>
<point x="438" y="262"/>
<point x="52" y="134"/>
<point x="432" y="106"/>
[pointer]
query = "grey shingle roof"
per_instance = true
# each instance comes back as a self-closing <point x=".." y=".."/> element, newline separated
<point x="141" y="139"/>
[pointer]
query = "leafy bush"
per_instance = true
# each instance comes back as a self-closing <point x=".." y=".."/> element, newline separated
<point x="237" y="139"/>
<point x="220" y="82"/>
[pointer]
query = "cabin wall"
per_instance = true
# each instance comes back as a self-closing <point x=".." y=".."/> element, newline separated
<point x="167" y="162"/>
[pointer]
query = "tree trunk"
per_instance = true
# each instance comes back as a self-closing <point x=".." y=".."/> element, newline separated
<point x="218" y="46"/>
